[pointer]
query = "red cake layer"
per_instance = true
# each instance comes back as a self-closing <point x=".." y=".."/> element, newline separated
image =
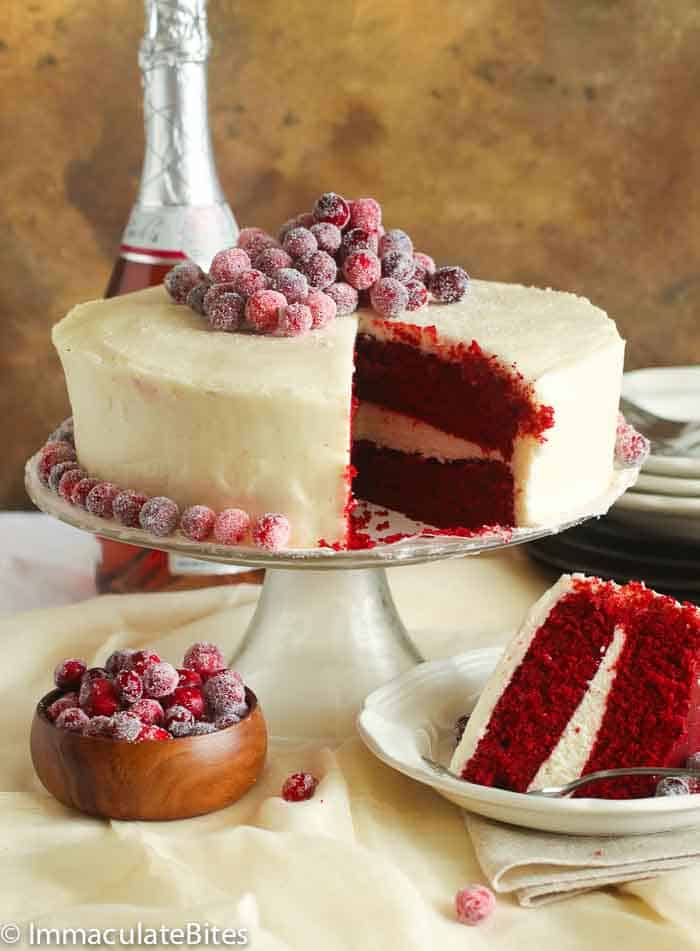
<point x="544" y="691"/>
<point x="463" y="494"/>
<point x="461" y="391"/>
<point x="646" y="722"/>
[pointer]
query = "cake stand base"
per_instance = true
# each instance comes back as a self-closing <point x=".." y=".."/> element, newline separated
<point x="318" y="643"/>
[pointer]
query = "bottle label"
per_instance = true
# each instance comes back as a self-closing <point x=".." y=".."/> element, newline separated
<point x="182" y="565"/>
<point x="171" y="232"/>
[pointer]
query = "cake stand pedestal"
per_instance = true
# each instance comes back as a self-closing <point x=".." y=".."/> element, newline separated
<point x="326" y="631"/>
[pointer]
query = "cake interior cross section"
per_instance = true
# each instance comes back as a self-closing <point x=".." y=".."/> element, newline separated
<point x="499" y="409"/>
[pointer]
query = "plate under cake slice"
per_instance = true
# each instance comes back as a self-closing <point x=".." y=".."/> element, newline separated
<point x="599" y="676"/>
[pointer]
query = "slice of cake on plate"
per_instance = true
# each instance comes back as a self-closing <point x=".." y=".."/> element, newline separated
<point x="599" y="676"/>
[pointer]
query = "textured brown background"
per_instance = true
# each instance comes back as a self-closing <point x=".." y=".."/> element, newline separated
<point x="555" y="142"/>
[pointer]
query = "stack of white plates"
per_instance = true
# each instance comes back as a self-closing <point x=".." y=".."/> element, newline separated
<point x="665" y="502"/>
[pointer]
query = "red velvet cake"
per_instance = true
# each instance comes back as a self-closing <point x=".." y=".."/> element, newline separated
<point x="599" y="676"/>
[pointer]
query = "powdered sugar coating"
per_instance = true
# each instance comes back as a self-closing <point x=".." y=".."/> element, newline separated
<point x="631" y="448"/>
<point x="81" y="491"/>
<point x="226" y="312"/>
<point x="202" y="727"/>
<point x="65" y="432"/>
<point x="246" y="235"/>
<point x="231" y="717"/>
<point x="119" y="660"/>
<point x="159" y="680"/>
<point x="180" y="280"/>
<point x="197" y="522"/>
<point x="195" y="298"/>
<point x="69" y="672"/>
<point x="129" y="686"/>
<point x="66" y="702"/>
<point x="293" y="320"/>
<point x="365" y="213"/>
<point x="152" y="732"/>
<point x="399" y="265"/>
<point x="345" y="297"/>
<point x="417" y="295"/>
<point x="179" y="721"/>
<point x="248" y="282"/>
<point x="101" y="498"/>
<point x="389" y="297"/>
<point x="271" y="531"/>
<point x="223" y="691"/>
<point x="191" y="698"/>
<point x="204" y="657"/>
<point x="261" y="310"/>
<point x="292" y="284"/>
<point x="319" y="269"/>
<point x="322" y="307"/>
<point x="51" y="454"/>
<point x="298" y="242"/>
<point x="362" y="269"/>
<point x="259" y="243"/>
<point x="126" y="507"/>
<point x="299" y="787"/>
<point x="333" y="208"/>
<point x="271" y="259"/>
<point x="126" y="726"/>
<point x="449" y="284"/>
<point x="425" y="266"/>
<point x="68" y="482"/>
<point x="142" y="659"/>
<point x="188" y="677"/>
<point x="159" y="516"/>
<point x="328" y="236"/>
<point x="149" y="711"/>
<point x="474" y="904"/>
<point x="227" y="264"/>
<point x="72" y="719"/>
<point x="395" y="240"/>
<point x="99" y="726"/>
<point x="359" y="239"/>
<point x="60" y="469"/>
<point x="231" y="526"/>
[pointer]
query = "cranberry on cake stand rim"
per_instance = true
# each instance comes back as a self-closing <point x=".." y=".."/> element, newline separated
<point x="326" y="631"/>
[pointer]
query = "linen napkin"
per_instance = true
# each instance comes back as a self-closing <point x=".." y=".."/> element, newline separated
<point x="544" y="867"/>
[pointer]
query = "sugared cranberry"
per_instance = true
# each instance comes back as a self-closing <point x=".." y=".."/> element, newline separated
<point x="474" y="903"/>
<point x="148" y="711"/>
<point x="215" y="291"/>
<point x="227" y="264"/>
<point x="60" y="469"/>
<point x="205" y="658"/>
<point x="298" y="242"/>
<point x="328" y="236"/>
<point x="358" y="239"/>
<point x="81" y="491"/>
<point x="231" y="526"/>
<point x="271" y="531"/>
<point x="98" y="697"/>
<point x="261" y="310"/>
<point x="449" y="284"/>
<point x="72" y="719"/>
<point x="197" y="522"/>
<point x="417" y="295"/>
<point x="68" y="482"/>
<point x="126" y="507"/>
<point x="230" y="718"/>
<point x="64" y="433"/>
<point x="99" y="726"/>
<point x="673" y="786"/>
<point x="389" y="297"/>
<point x="129" y="686"/>
<point x="188" y="677"/>
<point x="95" y="673"/>
<point x="631" y="448"/>
<point x="100" y="499"/>
<point x="248" y="282"/>
<point x="298" y="787"/>
<point x="459" y="728"/>
<point x="159" y="516"/>
<point x="259" y="243"/>
<point x="224" y="690"/>
<point x="151" y="732"/>
<point x="362" y="269"/>
<point x="159" y="680"/>
<point x="126" y="726"/>
<point x="180" y="280"/>
<point x="195" y="298"/>
<point x="202" y="727"/>
<point x="293" y="320"/>
<point x="271" y="259"/>
<point x="319" y="269"/>
<point x="292" y="284"/>
<point x="226" y="312"/>
<point x="69" y="673"/>
<point x="247" y="234"/>
<point x="142" y="659"/>
<point x="51" y="454"/>
<point x="332" y="208"/>
<point x="398" y="265"/>
<point x="395" y="240"/>
<point x="323" y="309"/>
<point x="425" y="266"/>
<point x="119" y="660"/>
<point x="179" y="721"/>
<point x="345" y="298"/>
<point x="365" y="213"/>
<point x="191" y="698"/>
<point x="66" y="702"/>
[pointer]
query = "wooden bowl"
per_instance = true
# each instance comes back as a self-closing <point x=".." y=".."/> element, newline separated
<point x="157" y="780"/>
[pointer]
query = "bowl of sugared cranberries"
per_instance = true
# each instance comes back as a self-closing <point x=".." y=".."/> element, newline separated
<point x="142" y="739"/>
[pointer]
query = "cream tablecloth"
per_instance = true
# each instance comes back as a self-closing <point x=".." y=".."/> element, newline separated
<point x="372" y="862"/>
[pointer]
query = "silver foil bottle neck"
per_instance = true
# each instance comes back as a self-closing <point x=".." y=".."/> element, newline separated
<point x="176" y="32"/>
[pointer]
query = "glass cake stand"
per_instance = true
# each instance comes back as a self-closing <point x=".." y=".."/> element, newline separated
<point x="326" y="631"/>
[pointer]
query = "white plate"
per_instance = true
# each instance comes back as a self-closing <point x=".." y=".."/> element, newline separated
<point x="667" y="485"/>
<point x="673" y="392"/>
<point x="414" y="716"/>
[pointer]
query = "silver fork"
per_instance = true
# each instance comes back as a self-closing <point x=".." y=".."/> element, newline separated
<point x="668" y="436"/>
<point x="556" y="792"/>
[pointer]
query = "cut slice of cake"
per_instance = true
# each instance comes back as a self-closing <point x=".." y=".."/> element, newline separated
<point x="599" y="676"/>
